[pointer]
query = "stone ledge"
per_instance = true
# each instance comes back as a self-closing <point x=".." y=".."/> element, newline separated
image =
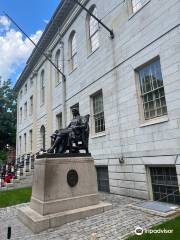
<point x="62" y="155"/>
<point x="61" y="205"/>
<point x="156" y="213"/>
<point x="38" y="223"/>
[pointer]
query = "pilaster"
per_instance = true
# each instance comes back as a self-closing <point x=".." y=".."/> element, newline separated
<point x="34" y="133"/>
<point x="49" y="100"/>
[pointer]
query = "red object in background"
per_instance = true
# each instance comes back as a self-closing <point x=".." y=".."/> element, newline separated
<point x="9" y="177"/>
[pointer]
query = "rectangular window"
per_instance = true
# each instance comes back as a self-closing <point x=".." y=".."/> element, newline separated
<point x="152" y="90"/>
<point x="31" y="82"/>
<point x="31" y="139"/>
<point x="20" y="95"/>
<point x="25" y="110"/>
<point x="26" y="88"/>
<point x="74" y="53"/>
<point x="165" y="184"/>
<point x="94" y="32"/>
<point x="20" y="145"/>
<point x="42" y="87"/>
<point x="98" y="112"/>
<point x="137" y="4"/>
<point x="31" y="106"/>
<point x="25" y="143"/>
<point x="21" y="115"/>
<point x="103" y="178"/>
<point x="59" y="120"/>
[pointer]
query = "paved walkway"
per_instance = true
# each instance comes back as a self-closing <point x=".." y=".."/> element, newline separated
<point x="111" y="225"/>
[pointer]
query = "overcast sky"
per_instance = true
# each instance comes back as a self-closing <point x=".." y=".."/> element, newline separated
<point x="32" y="16"/>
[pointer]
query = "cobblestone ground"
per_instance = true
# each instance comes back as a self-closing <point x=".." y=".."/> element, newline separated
<point x="111" y="225"/>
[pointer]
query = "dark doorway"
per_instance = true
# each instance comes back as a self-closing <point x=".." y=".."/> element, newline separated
<point x="103" y="178"/>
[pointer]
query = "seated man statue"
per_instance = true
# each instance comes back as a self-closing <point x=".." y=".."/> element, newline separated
<point x="69" y="138"/>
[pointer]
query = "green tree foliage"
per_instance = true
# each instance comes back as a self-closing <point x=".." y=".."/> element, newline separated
<point x="7" y="116"/>
<point x="3" y="156"/>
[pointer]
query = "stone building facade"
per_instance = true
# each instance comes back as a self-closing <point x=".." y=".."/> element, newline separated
<point x="130" y="85"/>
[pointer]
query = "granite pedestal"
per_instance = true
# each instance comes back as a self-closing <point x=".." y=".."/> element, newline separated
<point x="64" y="190"/>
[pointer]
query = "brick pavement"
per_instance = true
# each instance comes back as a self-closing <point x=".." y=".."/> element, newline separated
<point x="114" y="224"/>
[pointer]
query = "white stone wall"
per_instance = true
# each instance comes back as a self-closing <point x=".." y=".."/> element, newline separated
<point x="153" y="31"/>
<point x="26" y="125"/>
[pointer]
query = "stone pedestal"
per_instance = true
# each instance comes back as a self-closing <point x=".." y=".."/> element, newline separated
<point x="64" y="190"/>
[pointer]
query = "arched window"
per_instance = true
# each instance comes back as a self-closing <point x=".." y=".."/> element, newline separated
<point x="42" y="90"/>
<point x="73" y="50"/>
<point x="57" y="62"/>
<point x="93" y="30"/>
<point x="43" y="137"/>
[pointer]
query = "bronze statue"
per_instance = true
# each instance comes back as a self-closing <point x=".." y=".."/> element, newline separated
<point x="74" y="137"/>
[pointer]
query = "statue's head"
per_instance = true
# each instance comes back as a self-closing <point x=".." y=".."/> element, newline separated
<point x="75" y="112"/>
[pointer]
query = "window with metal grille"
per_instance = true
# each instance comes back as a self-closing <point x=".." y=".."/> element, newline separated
<point x="93" y="30"/>
<point x="103" y="178"/>
<point x="98" y="112"/>
<point x="152" y="90"/>
<point x="137" y="4"/>
<point x="165" y="184"/>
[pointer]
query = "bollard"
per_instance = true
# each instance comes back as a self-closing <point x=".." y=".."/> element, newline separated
<point x="9" y="233"/>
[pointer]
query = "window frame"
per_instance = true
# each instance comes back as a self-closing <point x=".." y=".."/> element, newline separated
<point x="25" y="110"/>
<point x="25" y="143"/>
<point x="58" y="65"/>
<point x="90" y="36"/>
<point x="43" y="137"/>
<point x="31" y="106"/>
<point x="131" y="10"/>
<point x="42" y="87"/>
<point x="93" y="119"/>
<point x="26" y="88"/>
<point x="158" y="117"/>
<point x="31" y="139"/>
<point x="20" y="145"/>
<point x="73" y="51"/>
<point x="21" y="94"/>
<point x="58" y="125"/>
<point x="21" y="115"/>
